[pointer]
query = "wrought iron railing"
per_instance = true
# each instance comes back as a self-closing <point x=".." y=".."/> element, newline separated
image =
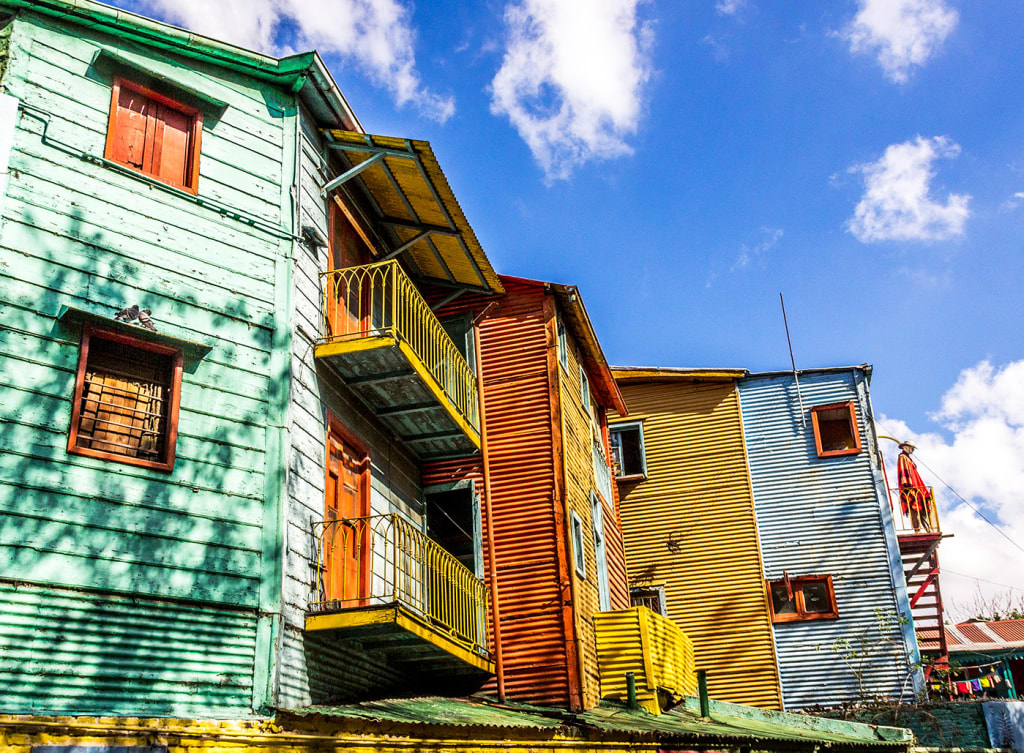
<point x="914" y="510"/>
<point x="383" y="559"/>
<point x="380" y="299"/>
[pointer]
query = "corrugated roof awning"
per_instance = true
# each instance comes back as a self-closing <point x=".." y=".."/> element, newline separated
<point x="416" y="210"/>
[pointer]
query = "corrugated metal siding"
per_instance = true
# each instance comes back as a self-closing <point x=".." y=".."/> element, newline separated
<point x="822" y="516"/>
<point x="697" y="497"/>
<point x="652" y="647"/>
<point x="78" y="652"/>
<point x="514" y="362"/>
<point x="579" y="483"/>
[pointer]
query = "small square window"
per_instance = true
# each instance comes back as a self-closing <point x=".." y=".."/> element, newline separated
<point x="154" y="135"/>
<point x="835" y="429"/>
<point x="578" y="558"/>
<point x="809" y="597"/>
<point x="627" y="441"/>
<point x="126" y="400"/>
<point x="652" y="597"/>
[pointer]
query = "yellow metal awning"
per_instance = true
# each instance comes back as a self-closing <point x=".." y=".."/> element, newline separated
<point x="416" y="210"/>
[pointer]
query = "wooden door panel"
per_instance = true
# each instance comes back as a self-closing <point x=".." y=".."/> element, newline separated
<point x="347" y="533"/>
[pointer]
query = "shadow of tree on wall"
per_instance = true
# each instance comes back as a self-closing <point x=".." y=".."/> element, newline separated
<point x="123" y="589"/>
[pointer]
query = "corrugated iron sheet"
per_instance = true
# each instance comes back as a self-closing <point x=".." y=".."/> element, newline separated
<point x="76" y="652"/>
<point x="823" y="516"/>
<point x="1008" y="630"/>
<point x="652" y="647"/>
<point x="690" y="527"/>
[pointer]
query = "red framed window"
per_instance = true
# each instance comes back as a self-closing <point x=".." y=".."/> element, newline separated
<point x="154" y="134"/>
<point x="809" y="597"/>
<point x="126" y="400"/>
<point x="835" y="429"/>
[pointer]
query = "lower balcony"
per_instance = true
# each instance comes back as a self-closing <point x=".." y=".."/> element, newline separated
<point x="653" y="649"/>
<point x="380" y="336"/>
<point x="386" y="584"/>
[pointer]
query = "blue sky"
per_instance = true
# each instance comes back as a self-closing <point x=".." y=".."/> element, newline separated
<point x="690" y="160"/>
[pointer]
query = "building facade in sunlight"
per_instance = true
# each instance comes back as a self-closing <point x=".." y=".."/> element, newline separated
<point x="755" y="514"/>
<point x="278" y="434"/>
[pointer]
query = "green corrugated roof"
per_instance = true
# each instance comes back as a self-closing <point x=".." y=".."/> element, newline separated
<point x="729" y="723"/>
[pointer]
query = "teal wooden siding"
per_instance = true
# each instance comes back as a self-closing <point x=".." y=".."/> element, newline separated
<point x="93" y="653"/>
<point x="78" y="232"/>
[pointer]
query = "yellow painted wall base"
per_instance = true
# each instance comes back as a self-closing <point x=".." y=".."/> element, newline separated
<point x="19" y="733"/>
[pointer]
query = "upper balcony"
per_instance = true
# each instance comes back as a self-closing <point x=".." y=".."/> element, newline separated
<point x="385" y="583"/>
<point x="652" y="648"/>
<point x="380" y="336"/>
<point x="915" y="512"/>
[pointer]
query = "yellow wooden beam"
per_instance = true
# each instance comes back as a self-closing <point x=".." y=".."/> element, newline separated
<point x="438" y="392"/>
<point x="354" y="345"/>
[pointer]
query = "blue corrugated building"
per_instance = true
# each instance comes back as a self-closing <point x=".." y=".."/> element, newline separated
<point x="836" y="590"/>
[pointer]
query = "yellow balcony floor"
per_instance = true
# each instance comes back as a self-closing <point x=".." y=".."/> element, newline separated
<point x="408" y="642"/>
<point x="390" y="378"/>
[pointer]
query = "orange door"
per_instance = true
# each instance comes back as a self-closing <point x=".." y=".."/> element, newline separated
<point x="347" y="533"/>
<point x="348" y="305"/>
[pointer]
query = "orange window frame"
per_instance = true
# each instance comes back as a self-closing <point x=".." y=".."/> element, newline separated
<point x="167" y="463"/>
<point x="191" y="171"/>
<point x="796" y="586"/>
<point x="854" y="430"/>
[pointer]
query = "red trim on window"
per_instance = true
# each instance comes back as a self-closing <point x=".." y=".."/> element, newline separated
<point x="191" y="167"/>
<point x="854" y="430"/>
<point x="167" y="464"/>
<point x="796" y="586"/>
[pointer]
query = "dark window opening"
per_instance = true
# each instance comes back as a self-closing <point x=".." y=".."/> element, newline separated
<point x="627" y="443"/>
<point x="835" y="429"/>
<point x="126" y="400"/>
<point x="809" y="597"/>
<point x="460" y="330"/>
<point x="651" y="597"/>
<point x="453" y="522"/>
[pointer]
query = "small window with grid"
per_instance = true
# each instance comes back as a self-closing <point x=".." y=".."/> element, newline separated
<point x="126" y="400"/>
<point x="652" y="597"/>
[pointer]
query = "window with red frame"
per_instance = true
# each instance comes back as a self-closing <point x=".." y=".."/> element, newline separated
<point x="809" y="597"/>
<point x="835" y="429"/>
<point x="126" y="400"/>
<point x="154" y="134"/>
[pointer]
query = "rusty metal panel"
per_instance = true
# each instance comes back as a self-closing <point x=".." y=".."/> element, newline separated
<point x="826" y="516"/>
<point x="690" y="528"/>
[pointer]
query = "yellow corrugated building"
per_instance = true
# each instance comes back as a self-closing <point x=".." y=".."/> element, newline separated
<point x="689" y="527"/>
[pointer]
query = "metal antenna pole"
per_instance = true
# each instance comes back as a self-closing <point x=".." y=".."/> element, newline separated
<point x="796" y="377"/>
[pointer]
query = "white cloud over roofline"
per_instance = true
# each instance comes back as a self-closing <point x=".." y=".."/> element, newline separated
<point x="897" y="203"/>
<point x="376" y="36"/>
<point x="572" y="78"/>
<point x="901" y="34"/>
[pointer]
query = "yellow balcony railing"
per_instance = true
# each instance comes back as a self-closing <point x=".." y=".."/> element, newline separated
<point x="914" y="510"/>
<point x="651" y="647"/>
<point x="383" y="559"/>
<point x="380" y="300"/>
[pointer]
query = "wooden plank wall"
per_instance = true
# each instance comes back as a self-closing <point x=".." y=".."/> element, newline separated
<point x="79" y="233"/>
<point x="697" y="497"/>
<point x="315" y="669"/>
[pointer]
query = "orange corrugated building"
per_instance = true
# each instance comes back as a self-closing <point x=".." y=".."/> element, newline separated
<point x="557" y="543"/>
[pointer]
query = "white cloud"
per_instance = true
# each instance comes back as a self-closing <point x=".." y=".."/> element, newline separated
<point x="897" y="203"/>
<point x="376" y="36"/>
<point x="730" y="7"/>
<point x="572" y="79"/>
<point x="1013" y="202"/>
<point x="984" y="462"/>
<point x="901" y="33"/>
<point x="757" y="254"/>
